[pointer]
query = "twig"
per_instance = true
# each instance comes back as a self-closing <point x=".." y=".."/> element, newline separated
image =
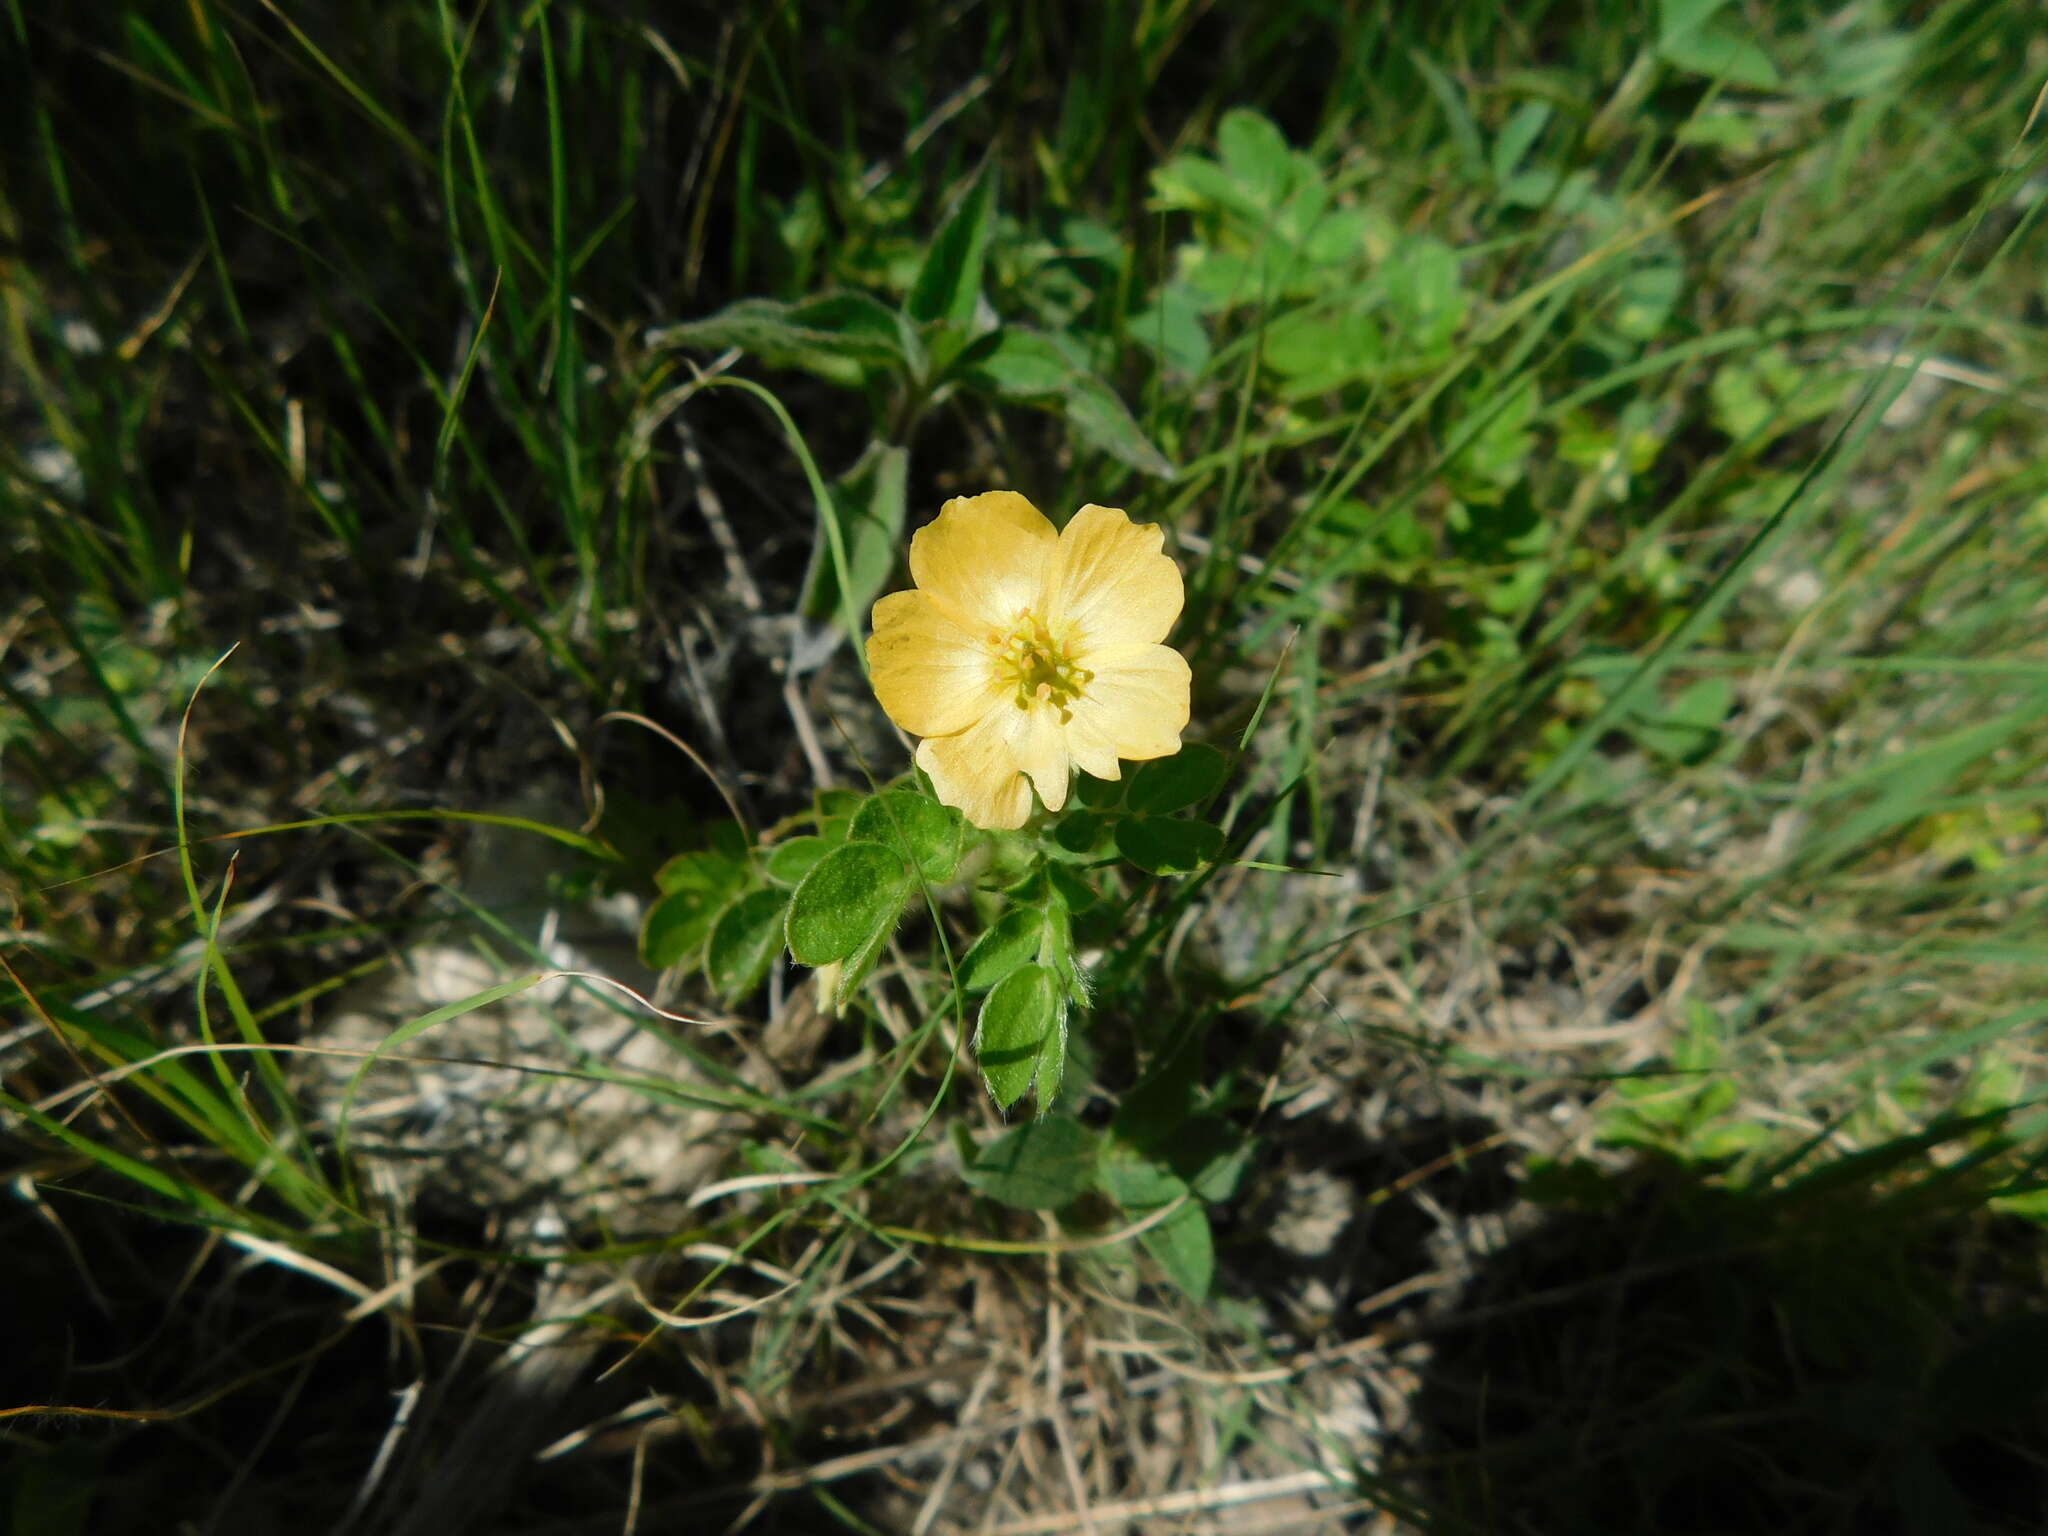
<point x="713" y="511"/>
<point x="1189" y="1502"/>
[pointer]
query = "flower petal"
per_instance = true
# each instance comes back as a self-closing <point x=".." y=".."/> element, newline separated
<point x="1113" y="581"/>
<point x="988" y="770"/>
<point x="1135" y="706"/>
<point x="932" y="676"/>
<point x="984" y="557"/>
<point x="1040" y="742"/>
<point x="976" y="772"/>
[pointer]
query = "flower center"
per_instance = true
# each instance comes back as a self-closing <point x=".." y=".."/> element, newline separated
<point x="1037" y="659"/>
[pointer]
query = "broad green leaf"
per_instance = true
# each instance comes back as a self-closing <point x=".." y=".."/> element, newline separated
<point x="1210" y="1154"/>
<point x="1705" y="37"/>
<point x="1198" y="184"/>
<point x="744" y="942"/>
<point x="1185" y="1249"/>
<point x="1099" y="794"/>
<point x="1015" y="1022"/>
<point x="1644" y="299"/>
<point x="1182" y="1243"/>
<point x="1019" y="364"/>
<point x="1164" y="846"/>
<point x="1317" y="351"/>
<point x="697" y="887"/>
<point x="1014" y="940"/>
<point x="1171" y="328"/>
<point x="869" y="500"/>
<point x="925" y="832"/>
<point x="1040" y="1165"/>
<point x="1257" y="156"/>
<point x="1425" y="296"/>
<point x="711" y="869"/>
<point x="1080" y="833"/>
<point x="1174" y="783"/>
<point x="835" y="808"/>
<point x="1216" y="280"/>
<point x="852" y="894"/>
<point x="833" y="804"/>
<point x="1073" y="890"/>
<point x="948" y="284"/>
<point x="794" y="857"/>
<point x="1157" y="1122"/>
<point x="1345" y="239"/>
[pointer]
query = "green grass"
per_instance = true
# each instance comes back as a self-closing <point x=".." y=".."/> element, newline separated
<point x="1603" y="449"/>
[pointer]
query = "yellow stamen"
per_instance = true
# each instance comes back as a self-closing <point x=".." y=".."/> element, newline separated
<point x="1037" y="660"/>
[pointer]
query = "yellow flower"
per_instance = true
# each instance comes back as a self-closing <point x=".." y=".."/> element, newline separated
<point x="1024" y="653"/>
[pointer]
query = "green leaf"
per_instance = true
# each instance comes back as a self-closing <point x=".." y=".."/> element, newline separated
<point x="1158" y="1123"/>
<point x="1197" y="183"/>
<point x="1854" y="66"/>
<point x="1027" y="367"/>
<point x="852" y="894"/>
<point x="1100" y="419"/>
<point x="1769" y="393"/>
<point x="1074" y="892"/>
<point x="1211" y="1156"/>
<point x="1020" y="365"/>
<point x="948" y="283"/>
<point x="1497" y="436"/>
<point x="1016" y="1020"/>
<point x="1424" y="293"/>
<point x="925" y="832"/>
<point x="1161" y="846"/>
<point x="1171" y="328"/>
<point x="1182" y="1243"/>
<point x="1052" y="1052"/>
<point x="1689" y="728"/>
<point x="1318" y="351"/>
<point x="837" y="335"/>
<point x="1080" y="834"/>
<point x="744" y="942"/>
<point x="869" y="501"/>
<point x="1517" y="136"/>
<point x="703" y="870"/>
<point x="854" y="969"/>
<point x="1040" y="1165"/>
<point x="1014" y="940"/>
<point x="1257" y="156"/>
<point x="794" y="857"/>
<point x="676" y="926"/>
<point x="1185" y="1249"/>
<point x="1696" y="36"/>
<point x="1644" y="299"/>
<point x="1187" y="778"/>
<point x="1457" y="116"/>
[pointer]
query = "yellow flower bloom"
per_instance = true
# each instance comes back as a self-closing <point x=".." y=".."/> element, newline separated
<point x="1024" y="653"/>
